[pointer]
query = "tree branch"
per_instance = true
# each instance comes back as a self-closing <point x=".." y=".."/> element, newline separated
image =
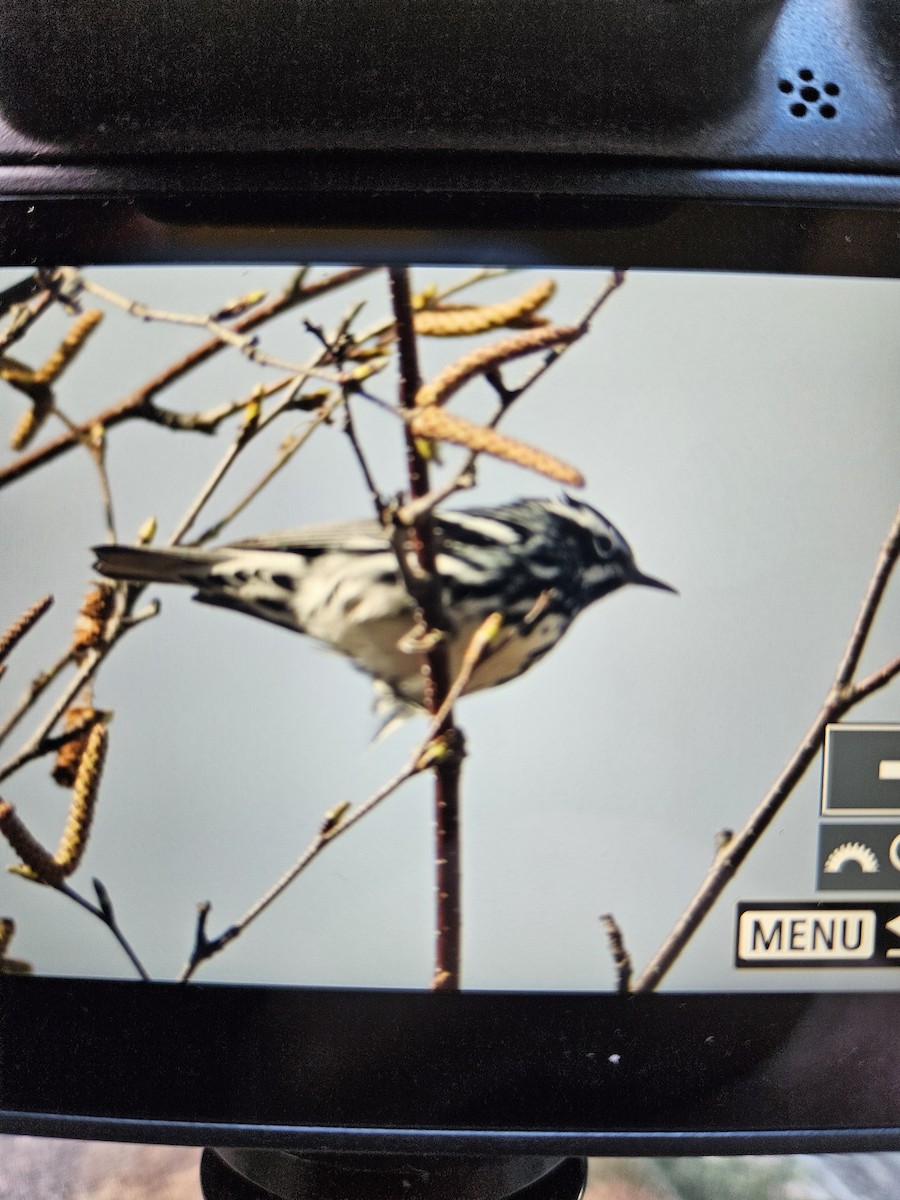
<point x="842" y="696"/>
<point x="427" y="595"/>
<point x="22" y="291"/>
<point x="226" y="334"/>
<point x="432" y="750"/>
<point x="33" y="693"/>
<point x="139" y="404"/>
<point x="465" y="476"/>
<point x="285" y="454"/>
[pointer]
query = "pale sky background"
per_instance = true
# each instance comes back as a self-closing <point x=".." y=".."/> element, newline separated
<point x="743" y="433"/>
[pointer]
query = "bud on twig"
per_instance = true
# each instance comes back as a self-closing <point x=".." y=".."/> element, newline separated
<point x="439" y="750"/>
<point x="238" y="306"/>
<point x="147" y="532"/>
<point x="104" y="901"/>
<point x="252" y="412"/>
<point x="333" y="818"/>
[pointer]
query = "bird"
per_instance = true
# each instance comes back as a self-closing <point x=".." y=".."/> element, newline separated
<point x="538" y="562"/>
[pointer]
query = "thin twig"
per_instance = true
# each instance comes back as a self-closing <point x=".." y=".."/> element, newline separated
<point x="225" y="334"/>
<point x="40" y="867"/>
<point x="480" y="276"/>
<point x="22" y="291"/>
<point x="842" y="696"/>
<point x="23" y="320"/>
<point x="250" y="429"/>
<point x="887" y="558"/>
<point x="50" y="745"/>
<point x="337" y="348"/>
<point x="464" y="479"/>
<point x="426" y="754"/>
<point x="875" y="681"/>
<point x="489" y="358"/>
<point x="381" y="328"/>
<point x="98" y="453"/>
<point x="243" y="436"/>
<point x="350" y="430"/>
<point x="32" y="746"/>
<point x="104" y="912"/>
<point x="33" y="693"/>
<point x="95" y="443"/>
<point x="620" y="956"/>
<point x="284" y="456"/>
<point x="139" y="404"/>
<point x="616" y="280"/>
<point x="120" y="623"/>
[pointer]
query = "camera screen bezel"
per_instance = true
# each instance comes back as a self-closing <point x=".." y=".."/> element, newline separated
<point x="494" y="1072"/>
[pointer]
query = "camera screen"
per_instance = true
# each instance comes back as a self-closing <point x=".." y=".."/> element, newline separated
<point x="641" y="526"/>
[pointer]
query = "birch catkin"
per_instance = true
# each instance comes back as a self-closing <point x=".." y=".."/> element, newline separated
<point x="442" y="426"/>
<point x="84" y="800"/>
<point x="30" y="617"/>
<point x="77" y="335"/>
<point x="38" y="862"/>
<point x="466" y="320"/>
<point x="487" y="358"/>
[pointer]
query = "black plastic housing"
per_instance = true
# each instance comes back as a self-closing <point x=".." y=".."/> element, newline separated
<point x="490" y="1073"/>
<point x="463" y="74"/>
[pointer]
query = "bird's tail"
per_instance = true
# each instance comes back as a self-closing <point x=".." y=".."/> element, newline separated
<point x="142" y="564"/>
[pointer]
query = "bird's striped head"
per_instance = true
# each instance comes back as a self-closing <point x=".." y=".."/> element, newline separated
<point x="605" y="559"/>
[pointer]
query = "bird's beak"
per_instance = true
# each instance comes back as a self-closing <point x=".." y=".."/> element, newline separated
<point x="637" y="576"/>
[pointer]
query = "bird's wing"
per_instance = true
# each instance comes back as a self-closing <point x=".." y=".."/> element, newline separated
<point x="364" y="536"/>
<point x="360" y="537"/>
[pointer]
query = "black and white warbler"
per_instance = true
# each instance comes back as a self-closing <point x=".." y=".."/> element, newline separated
<point x="538" y="562"/>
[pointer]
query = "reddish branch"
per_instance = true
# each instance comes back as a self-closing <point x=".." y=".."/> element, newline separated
<point x="438" y="683"/>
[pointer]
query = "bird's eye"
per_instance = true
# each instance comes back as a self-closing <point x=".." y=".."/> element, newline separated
<point x="603" y="543"/>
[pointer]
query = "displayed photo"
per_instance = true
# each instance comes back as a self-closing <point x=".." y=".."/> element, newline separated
<point x="507" y="630"/>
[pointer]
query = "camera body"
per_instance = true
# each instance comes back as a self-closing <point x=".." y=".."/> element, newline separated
<point x="693" y="135"/>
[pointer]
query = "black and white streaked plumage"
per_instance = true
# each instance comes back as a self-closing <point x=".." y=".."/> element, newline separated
<point x="539" y="562"/>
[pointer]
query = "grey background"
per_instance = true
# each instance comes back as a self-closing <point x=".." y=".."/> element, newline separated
<point x="743" y="432"/>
